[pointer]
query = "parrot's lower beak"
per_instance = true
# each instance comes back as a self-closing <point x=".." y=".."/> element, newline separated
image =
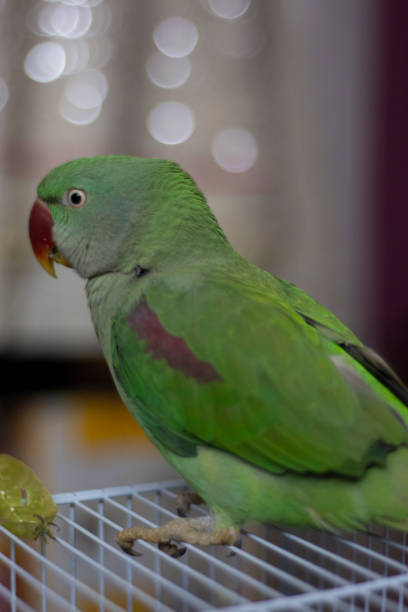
<point x="40" y="231"/>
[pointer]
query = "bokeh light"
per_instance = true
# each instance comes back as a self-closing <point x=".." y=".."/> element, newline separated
<point x="45" y="62"/>
<point x="171" y="123"/>
<point x="229" y="9"/>
<point x="234" y="149"/>
<point x="65" y="21"/>
<point x="87" y="90"/>
<point x="76" y="55"/>
<point x="87" y="3"/>
<point x="58" y="19"/>
<point x="4" y="93"/>
<point x="168" y="72"/>
<point x="76" y="115"/>
<point x="176" y="36"/>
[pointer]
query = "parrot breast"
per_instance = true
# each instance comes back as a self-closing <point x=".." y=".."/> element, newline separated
<point x="161" y="344"/>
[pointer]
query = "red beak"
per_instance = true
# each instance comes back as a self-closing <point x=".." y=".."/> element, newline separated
<point x="40" y="231"/>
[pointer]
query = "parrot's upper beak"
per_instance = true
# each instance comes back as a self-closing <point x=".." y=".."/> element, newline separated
<point x="40" y="230"/>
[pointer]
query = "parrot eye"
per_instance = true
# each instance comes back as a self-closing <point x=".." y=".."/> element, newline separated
<point x="75" y="198"/>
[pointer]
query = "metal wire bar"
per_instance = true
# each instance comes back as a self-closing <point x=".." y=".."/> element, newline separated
<point x="268" y="592"/>
<point x="13" y="575"/>
<point x="95" y="494"/>
<point x="101" y="556"/>
<point x="129" y="568"/>
<point x="8" y="595"/>
<point x="345" y="562"/>
<point x="148" y="600"/>
<point x="141" y="595"/>
<point x="88" y="591"/>
<point x="43" y="577"/>
<point x="333" y="556"/>
<point x="376" y="555"/>
<point x="322" y="572"/>
<point x="54" y="597"/>
<point x="170" y="560"/>
<point x="306" y="564"/>
<point x="293" y="580"/>
<point x="279" y="571"/>
<point x="356" y="569"/>
<point x="337" y="594"/>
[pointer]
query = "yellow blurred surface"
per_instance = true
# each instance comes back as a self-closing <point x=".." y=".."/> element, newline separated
<point x="102" y="417"/>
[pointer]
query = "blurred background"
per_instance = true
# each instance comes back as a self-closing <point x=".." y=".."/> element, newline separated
<point x="292" y="118"/>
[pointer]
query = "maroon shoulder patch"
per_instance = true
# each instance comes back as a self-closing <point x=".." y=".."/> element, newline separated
<point x="163" y="345"/>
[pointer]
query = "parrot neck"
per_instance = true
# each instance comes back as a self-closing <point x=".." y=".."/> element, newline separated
<point x="183" y="232"/>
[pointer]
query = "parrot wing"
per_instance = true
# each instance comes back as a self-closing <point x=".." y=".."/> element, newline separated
<point x="330" y="327"/>
<point x="228" y="364"/>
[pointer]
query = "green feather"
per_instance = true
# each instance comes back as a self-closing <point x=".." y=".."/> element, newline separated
<point x="263" y="409"/>
<point x="263" y="400"/>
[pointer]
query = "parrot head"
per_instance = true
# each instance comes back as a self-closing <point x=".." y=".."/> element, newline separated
<point x="106" y="214"/>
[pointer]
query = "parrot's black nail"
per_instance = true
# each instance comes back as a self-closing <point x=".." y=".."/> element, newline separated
<point x="172" y="549"/>
<point x="179" y="552"/>
<point x="232" y="552"/>
<point x="181" y="512"/>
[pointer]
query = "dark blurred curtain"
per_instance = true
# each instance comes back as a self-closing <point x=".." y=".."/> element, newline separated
<point x="391" y="301"/>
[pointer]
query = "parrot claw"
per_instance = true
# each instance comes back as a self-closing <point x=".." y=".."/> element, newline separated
<point x="185" y="500"/>
<point x="238" y="544"/>
<point x="201" y="531"/>
<point x="127" y="546"/>
<point x="172" y="549"/>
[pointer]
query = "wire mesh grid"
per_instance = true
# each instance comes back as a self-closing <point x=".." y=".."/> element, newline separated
<point x="273" y="569"/>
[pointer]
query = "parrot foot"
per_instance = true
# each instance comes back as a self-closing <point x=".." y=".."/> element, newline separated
<point x="198" y="531"/>
<point x="185" y="500"/>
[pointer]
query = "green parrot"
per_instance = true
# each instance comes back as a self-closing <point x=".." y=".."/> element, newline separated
<point x="267" y="405"/>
